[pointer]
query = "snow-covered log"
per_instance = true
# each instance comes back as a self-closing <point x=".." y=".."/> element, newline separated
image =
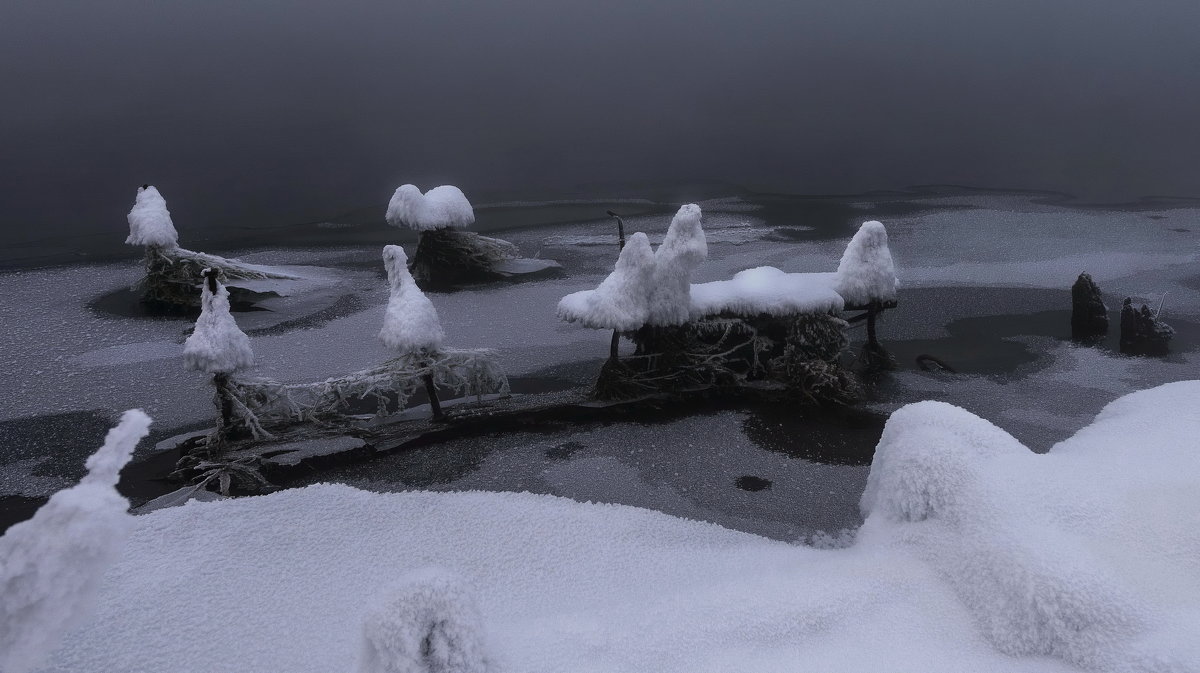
<point x="866" y="275"/>
<point x="410" y="324"/>
<point x="51" y="566"/>
<point x="427" y="623"/>
<point x="621" y="301"/>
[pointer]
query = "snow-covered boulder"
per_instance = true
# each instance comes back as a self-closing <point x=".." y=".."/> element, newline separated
<point x="411" y="322"/>
<point x="51" y="566"/>
<point x="866" y="273"/>
<point x="428" y="622"/>
<point x="444" y="207"/>
<point x="682" y="251"/>
<point x="621" y="301"/>
<point x="150" y="221"/>
<point x="216" y="345"/>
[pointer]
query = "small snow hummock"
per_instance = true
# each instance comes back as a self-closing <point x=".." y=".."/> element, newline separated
<point x="216" y="346"/>
<point x="444" y="207"/>
<point x="428" y="623"/>
<point x="866" y="273"/>
<point x="51" y="566"/>
<point x="683" y="250"/>
<point x="411" y="322"/>
<point x="766" y="289"/>
<point x="150" y="221"/>
<point x="621" y="302"/>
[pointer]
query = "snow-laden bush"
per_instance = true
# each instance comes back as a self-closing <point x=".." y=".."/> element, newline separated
<point x="51" y="566"/>
<point x="444" y="207"/>
<point x="216" y="345"/>
<point x="428" y="622"/>
<point x="621" y="301"/>
<point x="150" y="221"/>
<point x="411" y="322"/>
<point x="866" y="273"/>
<point x="682" y="251"/>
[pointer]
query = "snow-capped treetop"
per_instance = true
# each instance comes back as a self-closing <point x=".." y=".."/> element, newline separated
<point x="621" y="301"/>
<point x="411" y="323"/>
<point x="439" y="208"/>
<point x="683" y="250"/>
<point x="52" y="566"/>
<point x="866" y="273"/>
<point x="150" y="221"/>
<point x="216" y="346"/>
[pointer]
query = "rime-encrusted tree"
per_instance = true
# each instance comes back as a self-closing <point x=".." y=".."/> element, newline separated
<point x="621" y="302"/>
<point x="445" y="253"/>
<point x="217" y="346"/>
<point x="150" y="222"/>
<point x="410" y="324"/>
<point x="52" y="565"/>
<point x="682" y="251"/>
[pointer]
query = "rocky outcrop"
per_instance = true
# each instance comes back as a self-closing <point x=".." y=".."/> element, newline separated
<point x="1142" y="333"/>
<point x="1089" y="315"/>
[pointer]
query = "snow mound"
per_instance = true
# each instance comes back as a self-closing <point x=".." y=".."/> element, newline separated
<point x="439" y="208"/>
<point x="52" y="564"/>
<point x="682" y="251"/>
<point x="150" y="221"/>
<point x="621" y="300"/>
<point x="216" y="345"/>
<point x="428" y="623"/>
<point x="766" y="289"/>
<point x="411" y="322"/>
<point x="866" y="273"/>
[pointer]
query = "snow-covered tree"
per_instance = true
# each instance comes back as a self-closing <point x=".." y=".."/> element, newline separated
<point x="216" y="345"/>
<point x="866" y="274"/>
<point x="683" y="250"/>
<point x="410" y="324"/>
<point x="51" y="566"/>
<point x="444" y="207"/>
<point x="621" y="301"/>
<point x="150" y="221"/>
<point x="428" y="623"/>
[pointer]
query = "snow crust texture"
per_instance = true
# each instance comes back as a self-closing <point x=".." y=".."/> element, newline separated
<point x="428" y="623"/>
<point x="150" y="221"/>
<point x="216" y="345"/>
<point x="410" y="323"/>
<point x="51" y="565"/>
<point x="439" y="208"/>
<point x="621" y="301"/>
<point x="683" y="250"/>
<point x="976" y="555"/>
<point x="866" y="273"/>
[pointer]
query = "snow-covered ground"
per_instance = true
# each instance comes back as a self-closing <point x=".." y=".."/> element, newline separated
<point x="976" y="555"/>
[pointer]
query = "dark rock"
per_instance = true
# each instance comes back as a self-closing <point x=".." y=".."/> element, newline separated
<point x="1142" y="333"/>
<point x="751" y="483"/>
<point x="1089" y="315"/>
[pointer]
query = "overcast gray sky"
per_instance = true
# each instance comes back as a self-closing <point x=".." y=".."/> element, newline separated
<point x="265" y="112"/>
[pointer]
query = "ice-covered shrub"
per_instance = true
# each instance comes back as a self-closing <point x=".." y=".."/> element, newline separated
<point x="621" y="301"/>
<point x="444" y="207"/>
<point x="682" y="251"/>
<point x="411" y="322"/>
<point x="216" y="345"/>
<point x="428" y="622"/>
<point x="51" y="566"/>
<point x="866" y="274"/>
<point x="150" y="221"/>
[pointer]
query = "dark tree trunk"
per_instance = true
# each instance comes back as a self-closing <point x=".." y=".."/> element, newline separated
<point x="434" y="403"/>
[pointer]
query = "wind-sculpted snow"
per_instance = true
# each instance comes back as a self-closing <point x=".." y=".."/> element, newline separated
<point x="51" y="565"/>
<point x="440" y="207"/>
<point x="866" y="273"/>
<point x="682" y="251"/>
<point x="977" y="555"/>
<point x="621" y="302"/>
<point x="150" y="221"/>
<point x="410" y="323"/>
<point x="216" y="345"/>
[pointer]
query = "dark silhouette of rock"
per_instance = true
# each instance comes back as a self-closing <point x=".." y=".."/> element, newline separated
<point x="1142" y="333"/>
<point x="1089" y="315"/>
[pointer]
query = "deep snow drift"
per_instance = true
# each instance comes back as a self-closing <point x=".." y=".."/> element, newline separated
<point x="976" y="554"/>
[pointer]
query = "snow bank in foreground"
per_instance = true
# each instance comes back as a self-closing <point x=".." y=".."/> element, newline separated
<point x="767" y="290"/>
<point x="150" y="221"/>
<point x="440" y="207"/>
<point x="51" y="565"/>
<point x="977" y="555"/>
